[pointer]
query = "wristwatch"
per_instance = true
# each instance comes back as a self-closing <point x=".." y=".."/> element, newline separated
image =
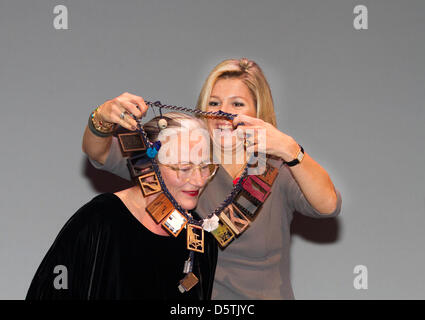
<point x="298" y="158"/>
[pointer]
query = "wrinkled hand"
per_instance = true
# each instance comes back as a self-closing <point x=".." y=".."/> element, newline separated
<point x="128" y="104"/>
<point x="263" y="137"/>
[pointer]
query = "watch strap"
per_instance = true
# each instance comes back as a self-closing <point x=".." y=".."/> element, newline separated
<point x="295" y="161"/>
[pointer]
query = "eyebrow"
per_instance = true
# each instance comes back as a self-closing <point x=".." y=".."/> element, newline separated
<point x="229" y="97"/>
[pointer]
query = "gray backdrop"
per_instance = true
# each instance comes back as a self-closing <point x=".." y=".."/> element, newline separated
<point x="353" y="98"/>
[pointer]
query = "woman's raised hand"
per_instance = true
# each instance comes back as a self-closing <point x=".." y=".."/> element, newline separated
<point x="119" y="110"/>
<point x="264" y="137"/>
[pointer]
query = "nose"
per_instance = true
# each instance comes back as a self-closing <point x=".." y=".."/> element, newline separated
<point x="226" y="107"/>
<point x="196" y="178"/>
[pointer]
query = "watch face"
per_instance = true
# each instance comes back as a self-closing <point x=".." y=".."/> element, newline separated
<point x="300" y="156"/>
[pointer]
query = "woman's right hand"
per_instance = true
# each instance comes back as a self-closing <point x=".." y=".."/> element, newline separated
<point x="125" y="104"/>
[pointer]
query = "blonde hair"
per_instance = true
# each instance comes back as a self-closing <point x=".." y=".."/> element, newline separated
<point x="252" y="76"/>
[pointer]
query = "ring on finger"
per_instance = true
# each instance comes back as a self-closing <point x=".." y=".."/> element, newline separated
<point x="248" y="143"/>
<point x="122" y="115"/>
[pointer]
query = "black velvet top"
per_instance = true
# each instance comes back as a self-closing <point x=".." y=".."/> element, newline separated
<point x="109" y="254"/>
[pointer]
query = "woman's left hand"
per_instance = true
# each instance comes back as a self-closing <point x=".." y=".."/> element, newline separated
<point x="264" y="137"/>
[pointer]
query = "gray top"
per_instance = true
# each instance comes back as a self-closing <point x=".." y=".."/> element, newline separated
<point x="256" y="264"/>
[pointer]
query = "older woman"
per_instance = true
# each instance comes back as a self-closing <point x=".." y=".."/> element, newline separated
<point x="256" y="264"/>
<point x="112" y="248"/>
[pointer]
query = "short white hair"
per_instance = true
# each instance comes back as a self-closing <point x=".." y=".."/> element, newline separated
<point x="195" y="138"/>
<point x="176" y="121"/>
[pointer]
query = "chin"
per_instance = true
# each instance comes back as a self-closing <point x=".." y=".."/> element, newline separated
<point x="188" y="204"/>
<point x="231" y="142"/>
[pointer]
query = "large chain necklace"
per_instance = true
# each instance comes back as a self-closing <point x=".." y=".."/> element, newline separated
<point x="230" y="219"/>
<point x="236" y="188"/>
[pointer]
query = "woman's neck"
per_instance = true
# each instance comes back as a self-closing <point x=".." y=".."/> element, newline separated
<point x="233" y="160"/>
<point x="234" y="170"/>
<point x="136" y="204"/>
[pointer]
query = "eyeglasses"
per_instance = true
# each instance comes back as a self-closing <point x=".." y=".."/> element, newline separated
<point x="186" y="171"/>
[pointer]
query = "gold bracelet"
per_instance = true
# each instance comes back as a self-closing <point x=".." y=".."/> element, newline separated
<point x="99" y="125"/>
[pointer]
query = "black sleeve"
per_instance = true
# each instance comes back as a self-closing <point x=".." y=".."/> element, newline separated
<point x="66" y="270"/>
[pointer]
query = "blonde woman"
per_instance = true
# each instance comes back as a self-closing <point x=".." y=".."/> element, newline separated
<point x="256" y="264"/>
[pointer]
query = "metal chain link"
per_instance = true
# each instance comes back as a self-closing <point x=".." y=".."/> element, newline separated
<point x="219" y="113"/>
